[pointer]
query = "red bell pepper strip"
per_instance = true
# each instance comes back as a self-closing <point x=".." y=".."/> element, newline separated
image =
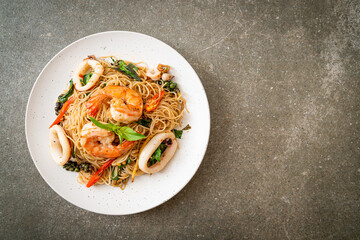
<point x="152" y="103"/>
<point x="62" y="111"/>
<point x="99" y="173"/>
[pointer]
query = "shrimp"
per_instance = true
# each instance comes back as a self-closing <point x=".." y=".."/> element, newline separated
<point x="83" y="69"/>
<point x="99" y="142"/>
<point x="167" y="77"/>
<point x="126" y="105"/>
<point x="154" y="74"/>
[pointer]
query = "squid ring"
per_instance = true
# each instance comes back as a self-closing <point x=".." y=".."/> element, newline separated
<point x="150" y="148"/>
<point x="83" y="69"/>
<point x="60" y="148"/>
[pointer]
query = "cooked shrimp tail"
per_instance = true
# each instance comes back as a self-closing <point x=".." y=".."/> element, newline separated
<point x="94" y="103"/>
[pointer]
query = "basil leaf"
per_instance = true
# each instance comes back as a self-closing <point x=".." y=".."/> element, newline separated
<point x="121" y="67"/>
<point x="86" y="78"/>
<point x="155" y="157"/>
<point x="123" y="132"/>
<point x="119" y="133"/>
<point x="178" y="133"/>
<point x="126" y="163"/>
<point x="130" y="135"/>
<point x="122" y="71"/>
<point x="162" y="147"/>
<point x="106" y="126"/>
<point x="133" y="73"/>
<point x="113" y="176"/>
<point x="65" y="97"/>
<point x="157" y="154"/>
<point x="144" y="122"/>
<point x="125" y="69"/>
<point x="131" y="65"/>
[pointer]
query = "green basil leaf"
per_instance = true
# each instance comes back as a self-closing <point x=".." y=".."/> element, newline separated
<point x="162" y="147"/>
<point x="131" y="65"/>
<point x="122" y="71"/>
<point x="156" y="155"/>
<point x="125" y="69"/>
<point x="133" y="73"/>
<point x="113" y="176"/>
<point x="178" y="133"/>
<point x="106" y="126"/>
<point x="119" y="133"/>
<point x="86" y="78"/>
<point x="126" y="163"/>
<point x="151" y="162"/>
<point x="122" y="66"/>
<point x="123" y="132"/>
<point x="65" y="97"/>
<point x="130" y="135"/>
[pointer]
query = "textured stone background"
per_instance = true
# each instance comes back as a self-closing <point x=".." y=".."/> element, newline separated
<point x="282" y="79"/>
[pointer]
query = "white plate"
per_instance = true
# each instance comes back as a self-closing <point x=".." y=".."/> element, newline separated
<point x="146" y="191"/>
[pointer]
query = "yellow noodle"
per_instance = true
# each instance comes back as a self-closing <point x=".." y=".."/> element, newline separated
<point x="164" y="118"/>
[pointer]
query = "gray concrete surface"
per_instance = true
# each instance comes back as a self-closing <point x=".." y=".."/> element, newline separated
<point x="282" y="78"/>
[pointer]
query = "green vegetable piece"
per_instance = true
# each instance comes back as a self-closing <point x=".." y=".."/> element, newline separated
<point x="130" y="135"/>
<point x="162" y="147"/>
<point x="144" y="122"/>
<point x="131" y="65"/>
<point x="77" y="169"/>
<point x="65" y="97"/>
<point x="128" y="71"/>
<point x="106" y="126"/>
<point x="178" y="133"/>
<point x="173" y="85"/>
<point x="155" y="157"/>
<point x="126" y="163"/>
<point x="114" y="174"/>
<point x="86" y="78"/>
<point x="123" y="132"/>
<point x="157" y="154"/>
